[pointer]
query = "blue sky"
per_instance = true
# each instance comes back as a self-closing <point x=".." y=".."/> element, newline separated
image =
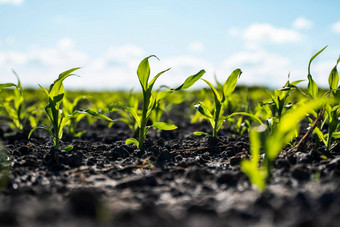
<point x="266" y="39"/>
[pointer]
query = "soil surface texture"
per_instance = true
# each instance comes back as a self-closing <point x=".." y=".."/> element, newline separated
<point x="178" y="180"/>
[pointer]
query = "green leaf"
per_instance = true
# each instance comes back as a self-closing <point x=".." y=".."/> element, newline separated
<point x="95" y="114"/>
<point x="68" y="148"/>
<point x="143" y="72"/>
<point x="133" y="112"/>
<point x="252" y="116"/>
<point x="58" y="98"/>
<point x="6" y="85"/>
<point x="312" y="87"/>
<point x="164" y="126"/>
<point x="45" y="90"/>
<point x="336" y="135"/>
<point x="191" y="80"/>
<point x="118" y="105"/>
<point x="57" y="87"/>
<point x="63" y="123"/>
<point x="255" y="144"/>
<point x="257" y="176"/>
<point x="230" y="84"/>
<point x="201" y="134"/>
<point x="333" y="78"/>
<point x="131" y="141"/>
<point x="152" y="82"/>
<point x="215" y="92"/>
<point x="41" y="127"/>
<point x="79" y="134"/>
<point x="294" y="83"/>
<point x="67" y="73"/>
<point x="320" y="135"/>
<point x="314" y="56"/>
<point x="285" y="131"/>
<point x="163" y="94"/>
<point x="203" y="110"/>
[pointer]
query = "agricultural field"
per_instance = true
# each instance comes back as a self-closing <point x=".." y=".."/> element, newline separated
<point x="225" y="155"/>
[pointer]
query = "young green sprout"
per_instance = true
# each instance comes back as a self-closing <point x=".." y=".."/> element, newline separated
<point x="279" y="104"/>
<point x="270" y="143"/>
<point x="69" y="108"/>
<point x="14" y="105"/>
<point x="216" y="116"/>
<point x="150" y="100"/>
<point x="331" y="114"/>
<point x="125" y="115"/>
<point x="53" y="110"/>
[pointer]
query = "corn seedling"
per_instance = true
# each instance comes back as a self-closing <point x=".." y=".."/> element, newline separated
<point x="279" y="103"/>
<point x="331" y="114"/>
<point x="53" y="110"/>
<point x="150" y="100"/>
<point x="14" y="105"/>
<point x="215" y="115"/>
<point x="69" y="108"/>
<point x="262" y="141"/>
<point x="125" y="115"/>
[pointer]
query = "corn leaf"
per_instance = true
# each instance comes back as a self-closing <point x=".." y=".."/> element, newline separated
<point x="230" y="84"/>
<point x="63" y="123"/>
<point x="203" y="109"/>
<point x="257" y="175"/>
<point x="314" y="56"/>
<point x="143" y="72"/>
<point x="321" y="136"/>
<point x="333" y="78"/>
<point x="132" y="141"/>
<point x="336" y="135"/>
<point x="152" y="82"/>
<point x="67" y="149"/>
<point x="191" y="80"/>
<point x="201" y="134"/>
<point x="163" y="94"/>
<point x="215" y="92"/>
<point x="6" y="85"/>
<point x="252" y="116"/>
<point x="40" y="127"/>
<point x="312" y="87"/>
<point x="134" y="114"/>
<point x="57" y="87"/>
<point x="164" y="126"/>
<point x="95" y="114"/>
<point x="289" y="124"/>
<point x="45" y="90"/>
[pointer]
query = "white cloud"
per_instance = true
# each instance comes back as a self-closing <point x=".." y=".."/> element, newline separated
<point x="257" y="34"/>
<point x="302" y="23"/>
<point x="65" y="43"/>
<point x="113" y="69"/>
<point x="336" y="27"/>
<point x="196" y="47"/>
<point x="269" y="33"/>
<point x="14" y="2"/>
<point x="116" y="67"/>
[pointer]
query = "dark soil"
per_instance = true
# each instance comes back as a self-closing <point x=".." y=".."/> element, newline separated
<point x="179" y="180"/>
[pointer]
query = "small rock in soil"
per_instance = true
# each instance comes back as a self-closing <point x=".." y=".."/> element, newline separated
<point x="300" y="172"/>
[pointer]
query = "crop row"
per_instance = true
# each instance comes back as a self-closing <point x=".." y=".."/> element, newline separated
<point x="272" y="118"/>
